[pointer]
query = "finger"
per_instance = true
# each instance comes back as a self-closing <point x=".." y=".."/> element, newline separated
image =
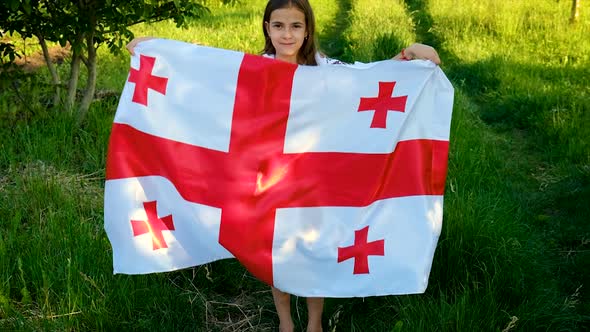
<point x="132" y="44"/>
<point x="130" y="47"/>
<point x="436" y="58"/>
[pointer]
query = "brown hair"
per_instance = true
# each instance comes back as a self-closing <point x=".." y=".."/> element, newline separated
<point x="306" y="54"/>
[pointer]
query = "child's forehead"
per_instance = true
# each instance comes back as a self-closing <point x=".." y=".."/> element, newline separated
<point x="290" y="13"/>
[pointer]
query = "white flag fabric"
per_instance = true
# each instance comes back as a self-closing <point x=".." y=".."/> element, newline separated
<point x="321" y="180"/>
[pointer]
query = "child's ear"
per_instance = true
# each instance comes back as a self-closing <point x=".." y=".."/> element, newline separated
<point x="266" y="27"/>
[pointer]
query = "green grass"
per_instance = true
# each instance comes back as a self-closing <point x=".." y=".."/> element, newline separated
<point x="514" y="252"/>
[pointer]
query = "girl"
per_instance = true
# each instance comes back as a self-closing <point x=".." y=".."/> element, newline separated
<point x="289" y="29"/>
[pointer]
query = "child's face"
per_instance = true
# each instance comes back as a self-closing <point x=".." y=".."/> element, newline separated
<point x="287" y="31"/>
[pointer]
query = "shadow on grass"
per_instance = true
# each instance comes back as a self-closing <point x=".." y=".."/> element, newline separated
<point x="475" y="78"/>
<point x="333" y="41"/>
<point x="556" y="119"/>
<point x="385" y="45"/>
<point x="424" y="24"/>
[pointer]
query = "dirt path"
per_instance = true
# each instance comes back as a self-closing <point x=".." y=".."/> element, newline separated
<point x="35" y="61"/>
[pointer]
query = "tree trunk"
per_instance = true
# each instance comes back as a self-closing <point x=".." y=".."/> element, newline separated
<point x="77" y="56"/>
<point x="73" y="82"/>
<point x="52" y="71"/>
<point x="91" y="81"/>
<point x="576" y="5"/>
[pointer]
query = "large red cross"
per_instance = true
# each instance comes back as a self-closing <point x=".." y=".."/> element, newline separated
<point x="255" y="177"/>
<point x="360" y="251"/>
<point x="382" y="104"/>
<point x="154" y="225"/>
<point x="144" y="80"/>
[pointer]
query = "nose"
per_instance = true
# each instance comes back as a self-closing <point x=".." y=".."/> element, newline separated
<point x="288" y="33"/>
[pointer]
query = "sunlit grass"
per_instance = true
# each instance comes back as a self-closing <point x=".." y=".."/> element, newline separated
<point x="513" y="253"/>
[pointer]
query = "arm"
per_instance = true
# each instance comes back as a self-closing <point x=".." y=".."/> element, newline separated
<point x="418" y="51"/>
<point x="131" y="46"/>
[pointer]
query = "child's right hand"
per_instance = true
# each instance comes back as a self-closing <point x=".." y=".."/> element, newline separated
<point x="424" y="52"/>
<point x="134" y="43"/>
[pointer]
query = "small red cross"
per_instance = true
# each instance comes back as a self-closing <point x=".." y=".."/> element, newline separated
<point x="144" y="80"/>
<point x="360" y="251"/>
<point x="153" y="225"/>
<point x="382" y="104"/>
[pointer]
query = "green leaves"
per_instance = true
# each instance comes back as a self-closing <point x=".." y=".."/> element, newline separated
<point x="13" y="4"/>
<point x="86" y="25"/>
<point x="65" y="21"/>
<point x="7" y="51"/>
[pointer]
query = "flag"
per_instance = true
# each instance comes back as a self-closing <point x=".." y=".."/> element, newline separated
<point x="321" y="180"/>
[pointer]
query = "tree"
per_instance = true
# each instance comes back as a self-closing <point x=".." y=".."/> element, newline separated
<point x="576" y="5"/>
<point x="85" y="25"/>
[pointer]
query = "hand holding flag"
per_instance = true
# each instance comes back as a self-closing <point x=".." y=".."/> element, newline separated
<point x="322" y="181"/>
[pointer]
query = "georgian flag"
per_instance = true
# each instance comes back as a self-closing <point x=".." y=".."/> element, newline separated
<point x="322" y="180"/>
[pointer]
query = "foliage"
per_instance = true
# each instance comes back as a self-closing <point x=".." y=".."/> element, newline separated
<point x="7" y="56"/>
<point x="85" y="26"/>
